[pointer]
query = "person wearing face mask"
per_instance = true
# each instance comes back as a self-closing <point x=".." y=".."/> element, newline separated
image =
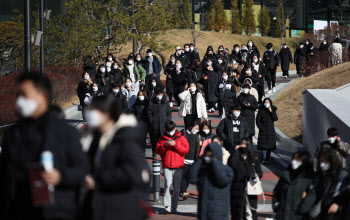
<point x="211" y="78"/>
<point x="324" y="54"/>
<point x="307" y="43"/>
<point x="84" y="87"/>
<point x="233" y="129"/>
<point x="192" y="106"/>
<point x="222" y="64"/>
<point x="271" y="60"/>
<point x="110" y="60"/>
<point x="341" y="148"/>
<point x="115" y="74"/>
<point x="286" y="59"/>
<point x="226" y="91"/>
<point x="152" y="64"/>
<point x="258" y="70"/>
<point x="158" y="113"/>
<point x="249" y="105"/>
<point x="90" y="66"/>
<point x="311" y="60"/>
<point x="138" y="59"/>
<point x="252" y="91"/>
<point x="294" y="194"/>
<point x="234" y="69"/>
<point x="336" y="51"/>
<point x="129" y="92"/>
<point x="299" y="59"/>
<point x="252" y="49"/>
<point x="249" y="73"/>
<point x="244" y="56"/>
<point x="135" y="72"/>
<point x="182" y="57"/>
<point x="209" y="55"/>
<point x="180" y="80"/>
<point x="236" y="52"/>
<point x="154" y="84"/>
<point x="205" y="133"/>
<point x="38" y="130"/>
<point x="94" y="92"/>
<point x="103" y="79"/>
<point x="170" y="71"/>
<point x="120" y="97"/>
<point x="246" y="166"/>
<point x="116" y="161"/>
<point x="172" y="147"/>
<point x="213" y="180"/>
<point x="192" y="136"/>
<point x="195" y="73"/>
<point x="194" y="54"/>
<point x="332" y="187"/>
<point x="265" y="121"/>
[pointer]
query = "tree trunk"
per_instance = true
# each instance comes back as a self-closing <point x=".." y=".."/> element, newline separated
<point x="134" y="46"/>
<point x="161" y="56"/>
<point x="142" y="51"/>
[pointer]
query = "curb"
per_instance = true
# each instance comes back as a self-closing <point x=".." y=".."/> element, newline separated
<point x="281" y="89"/>
<point x="70" y="111"/>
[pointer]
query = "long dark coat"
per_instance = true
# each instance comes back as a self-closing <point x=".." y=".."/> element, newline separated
<point x="249" y="112"/>
<point x="213" y="183"/>
<point x="116" y="76"/>
<point x="226" y="91"/>
<point x="170" y="71"/>
<point x="211" y="84"/>
<point x="163" y="116"/>
<point x="299" y="56"/>
<point x="265" y="122"/>
<point x="286" y="58"/>
<point x="288" y="202"/>
<point x="22" y="145"/>
<point x="83" y="88"/>
<point x="243" y="170"/>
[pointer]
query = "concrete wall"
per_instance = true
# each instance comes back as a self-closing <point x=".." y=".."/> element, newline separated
<point x="324" y="108"/>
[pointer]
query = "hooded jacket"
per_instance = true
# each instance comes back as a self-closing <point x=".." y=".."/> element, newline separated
<point x="265" y="123"/>
<point x="213" y="182"/>
<point x="173" y="156"/>
<point x="186" y="105"/>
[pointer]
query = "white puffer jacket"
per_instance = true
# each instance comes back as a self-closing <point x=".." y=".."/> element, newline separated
<point x="186" y="105"/>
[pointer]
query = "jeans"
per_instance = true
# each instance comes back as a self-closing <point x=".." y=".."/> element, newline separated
<point x="172" y="177"/>
<point x="266" y="154"/>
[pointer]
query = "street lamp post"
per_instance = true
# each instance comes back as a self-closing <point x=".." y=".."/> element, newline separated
<point x="27" y="36"/>
<point x="42" y="53"/>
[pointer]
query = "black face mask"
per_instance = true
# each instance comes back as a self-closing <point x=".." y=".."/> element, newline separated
<point x="243" y="150"/>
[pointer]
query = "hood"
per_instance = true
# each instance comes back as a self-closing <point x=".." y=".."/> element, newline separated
<point x="244" y="48"/>
<point x="250" y="80"/>
<point x="216" y="149"/>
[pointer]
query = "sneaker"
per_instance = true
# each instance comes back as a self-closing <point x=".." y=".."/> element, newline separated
<point x="209" y="110"/>
<point x="212" y="109"/>
<point x="167" y="210"/>
<point x="174" y="212"/>
<point x="171" y="104"/>
<point x="154" y="155"/>
<point x="273" y="89"/>
<point x="285" y="77"/>
<point x="268" y="92"/>
<point x="185" y="196"/>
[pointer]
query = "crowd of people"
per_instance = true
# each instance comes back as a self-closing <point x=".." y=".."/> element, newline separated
<point x="101" y="173"/>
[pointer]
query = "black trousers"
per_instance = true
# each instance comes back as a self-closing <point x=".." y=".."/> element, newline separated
<point x="271" y="78"/>
<point x="154" y="135"/>
<point x="177" y="90"/>
<point x="170" y="98"/>
<point x="253" y="201"/>
<point x="190" y="119"/>
<point x="286" y="73"/>
<point x="184" y="180"/>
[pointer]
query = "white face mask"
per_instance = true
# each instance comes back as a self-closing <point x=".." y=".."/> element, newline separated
<point x="86" y="77"/>
<point x="324" y="166"/>
<point x="94" y="89"/>
<point x="141" y="98"/>
<point x="220" y="61"/>
<point x="194" y="131"/>
<point x="109" y="58"/>
<point x="244" y="157"/>
<point x="267" y="105"/>
<point x="115" y="91"/>
<point x="154" y="84"/>
<point x="236" y="114"/>
<point x="301" y="46"/>
<point x="307" y="43"/>
<point x="331" y="140"/>
<point x="173" y="61"/>
<point x="237" y="50"/>
<point x="93" y="118"/>
<point x="245" y="91"/>
<point x="128" y="84"/>
<point x="171" y="133"/>
<point x="103" y="70"/>
<point x="207" y="159"/>
<point x="233" y="61"/>
<point x="26" y="107"/>
<point x="271" y="49"/>
<point x="138" y="59"/>
<point x="178" y="65"/>
<point x="295" y="164"/>
<point x="285" y="46"/>
<point x="150" y="54"/>
<point x="324" y="43"/>
<point x="179" y="52"/>
<point x="224" y="77"/>
<point x="193" y="89"/>
<point x="187" y="49"/>
<point x="192" y="48"/>
<point x="206" y="131"/>
<point x="130" y="62"/>
<point x="221" y="49"/>
<point x="209" y="63"/>
<point x="248" y="71"/>
<point x="255" y="60"/>
<point x="159" y="97"/>
<point x="250" y="44"/>
<point x="115" y="67"/>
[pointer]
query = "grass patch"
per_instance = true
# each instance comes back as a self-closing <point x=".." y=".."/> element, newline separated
<point x="289" y="101"/>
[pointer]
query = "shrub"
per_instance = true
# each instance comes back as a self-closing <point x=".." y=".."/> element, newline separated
<point x="64" y="81"/>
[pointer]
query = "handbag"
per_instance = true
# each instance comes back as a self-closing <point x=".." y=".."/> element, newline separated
<point x="254" y="188"/>
<point x="316" y="209"/>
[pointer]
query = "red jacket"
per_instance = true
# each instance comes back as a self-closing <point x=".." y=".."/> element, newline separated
<point x="173" y="156"/>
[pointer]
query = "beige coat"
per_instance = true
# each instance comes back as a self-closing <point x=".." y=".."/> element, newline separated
<point x="186" y="105"/>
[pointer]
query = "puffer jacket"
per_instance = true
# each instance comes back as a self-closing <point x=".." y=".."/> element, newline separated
<point x="341" y="148"/>
<point x="173" y="157"/>
<point x="186" y="105"/>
